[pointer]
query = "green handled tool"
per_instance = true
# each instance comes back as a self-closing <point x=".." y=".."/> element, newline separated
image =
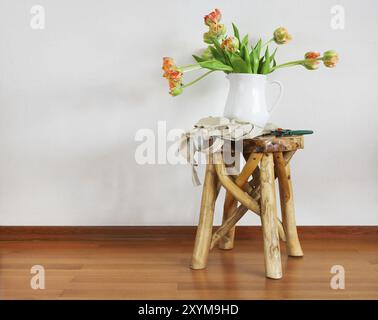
<point x="287" y="132"/>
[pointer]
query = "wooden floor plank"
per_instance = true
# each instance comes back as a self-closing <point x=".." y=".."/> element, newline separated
<point x="138" y="268"/>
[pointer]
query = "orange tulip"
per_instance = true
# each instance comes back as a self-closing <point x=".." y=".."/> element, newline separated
<point x="168" y="64"/>
<point x="281" y="36"/>
<point x="230" y="44"/>
<point x="310" y="63"/>
<point x="330" y="58"/>
<point x="215" y="32"/>
<point x="173" y="75"/>
<point x="213" y="17"/>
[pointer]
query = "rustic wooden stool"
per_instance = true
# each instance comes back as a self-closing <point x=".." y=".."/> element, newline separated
<point x="267" y="158"/>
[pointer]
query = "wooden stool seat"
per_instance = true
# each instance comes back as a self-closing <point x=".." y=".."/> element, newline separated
<point x="273" y="144"/>
<point x="267" y="158"/>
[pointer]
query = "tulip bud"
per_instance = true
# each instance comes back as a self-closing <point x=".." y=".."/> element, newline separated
<point x="215" y="32"/>
<point x="281" y="36"/>
<point x="330" y="58"/>
<point x="310" y="62"/>
<point x="176" y="91"/>
<point x="207" y="37"/>
<point x="230" y="44"/>
<point x="217" y="29"/>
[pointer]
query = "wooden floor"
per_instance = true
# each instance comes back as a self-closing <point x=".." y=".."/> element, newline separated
<point x="156" y="267"/>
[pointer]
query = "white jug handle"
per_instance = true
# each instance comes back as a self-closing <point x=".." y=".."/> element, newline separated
<point x="279" y="96"/>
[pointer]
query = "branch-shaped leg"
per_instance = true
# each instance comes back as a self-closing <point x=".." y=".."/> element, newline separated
<point x="204" y="229"/>
<point x="237" y="214"/>
<point x="287" y="205"/>
<point x="254" y="191"/>
<point x="231" y="186"/>
<point x="227" y="241"/>
<point x="223" y="232"/>
<point x="227" y="225"/>
<point x="255" y="183"/>
<point x="273" y="268"/>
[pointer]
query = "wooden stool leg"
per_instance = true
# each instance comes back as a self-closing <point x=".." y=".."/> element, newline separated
<point x="230" y="204"/>
<point x="227" y="241"/>
<point x="273" y="268"/>
<point x="205" y="225"/>
<point x="287" y="206"/>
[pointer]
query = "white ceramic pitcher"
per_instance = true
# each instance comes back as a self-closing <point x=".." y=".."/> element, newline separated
<point x="246" y="98"/>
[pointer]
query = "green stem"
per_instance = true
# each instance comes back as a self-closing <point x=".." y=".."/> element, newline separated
<point x="266" y="43"/>
<point x="190" y="67"/>
<point x="289" y="64"/>
<point x="198" y="79"/>
<point x="294" y="63"/>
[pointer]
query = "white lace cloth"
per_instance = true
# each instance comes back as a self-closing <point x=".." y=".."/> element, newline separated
<point x="218" y="129"/>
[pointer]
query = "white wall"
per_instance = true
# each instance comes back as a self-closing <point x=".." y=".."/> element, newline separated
<point x="73" y="95"/>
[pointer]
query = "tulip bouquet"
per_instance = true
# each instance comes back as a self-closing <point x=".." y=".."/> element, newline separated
<point x="233" y="54"/>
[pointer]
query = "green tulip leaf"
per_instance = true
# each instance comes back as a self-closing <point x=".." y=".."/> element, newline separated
<point x="258" y="47"/>
<point x="215" y="65"/>
<point x="245" y="40"/>
<point x="236" y="32"/>
<point x="238" y="64"/>
<point x="245" y="55"/>
<point x="265" y="67"/>
<point x="273" y="65"/>
<point x="273" y="54"/>
<point x="227" y="57"/>
<point x="217" y="55"/>
<point x="198" y="59"/>
<point x="255" y="59"/>
<point x="218" y="48"/>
